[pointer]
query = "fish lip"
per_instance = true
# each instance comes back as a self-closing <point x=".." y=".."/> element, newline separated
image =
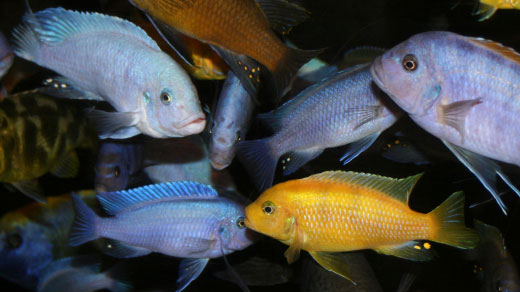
<point x="248" y="223"/>
<point x="191" y="121"/>
<point x="217" y="165"/>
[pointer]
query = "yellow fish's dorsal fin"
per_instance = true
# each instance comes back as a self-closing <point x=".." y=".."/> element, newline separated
<point x="399" y="189"/>
<point x="333" y="262"/>
<point x="498" y="48"/>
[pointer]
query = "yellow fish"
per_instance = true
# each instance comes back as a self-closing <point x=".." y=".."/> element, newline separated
<point x="488" y="7"/>
<point x="338" y="211"/>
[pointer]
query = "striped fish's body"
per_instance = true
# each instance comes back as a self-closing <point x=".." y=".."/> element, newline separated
<point x="37" y="134"/>
<point x="338" y="211"/>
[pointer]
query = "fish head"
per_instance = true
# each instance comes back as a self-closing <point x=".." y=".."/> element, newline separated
<point x="172" y="104"/>
<point x="408" y="74"/>
<point x="232" y="230"/>
<point x="505" y="278"/>
<point x="270" y="215"/>
<point x="26" y="248"/>
<point x="113" y="167"/>
<point x="225" y="133"/>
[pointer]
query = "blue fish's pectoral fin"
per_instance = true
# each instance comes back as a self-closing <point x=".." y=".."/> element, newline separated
<point x="194" y="245"/>
<point x="282" y="15"/>
<point x="67" y="167"/>
<point x="190" y="270"/>
<point x="118" y="249"/>
<point x="364" y="114"/>
<point x="31" y="188"/>
<point x="412" y="250"/>
<point x="358" y="147"/>
<point x="246" y="69"/>
<point x="61" y="87"/>
<point x="115" y="125"/>
<point x="296" y="159"/>
<point x="333" y="262"/>
<point x="485" y="11"/>
<point x="259" y="160"/>
<point x="454" y="114"/>
<point x="484" y="169"/>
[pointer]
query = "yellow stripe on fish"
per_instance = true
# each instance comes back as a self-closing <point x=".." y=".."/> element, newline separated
<point x="338" y="211"/>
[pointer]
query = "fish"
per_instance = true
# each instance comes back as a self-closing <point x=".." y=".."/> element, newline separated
<point x="151" y="93"/>
<point x="36" y="235"/>
<point x="181" y="219"/>
<point x="231" y="121"/>
<point x="344" y="108"/>
<point x="6" y="55"/>
<point x="487" y="8"/>
<point x="81" y="273"/>
<point x="498" y="267"/>
<point x="240" y="32"/>
<point x="39" y="134"/>
<point x="473" y="111"/>
<point x="336" y="211"/>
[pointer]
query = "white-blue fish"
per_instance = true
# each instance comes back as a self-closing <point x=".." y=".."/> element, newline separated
<point x="107" y="58"/>
<point x="6" y="55"/>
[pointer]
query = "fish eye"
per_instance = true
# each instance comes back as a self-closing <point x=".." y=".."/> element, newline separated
<point x="240" y="222"/>
<point x="166" y="98"/>
<point x="410" y="62"/>
<point x="14" y="240"/>
<point x="268" y="207"/>
<point x="117" y="171"/>
<point x="238" y="137"/>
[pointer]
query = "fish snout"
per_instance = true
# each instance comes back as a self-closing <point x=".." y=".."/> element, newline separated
<point x="192" y="125"/>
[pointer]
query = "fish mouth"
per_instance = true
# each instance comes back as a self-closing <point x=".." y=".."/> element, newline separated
<point x="248" y="223"/>
<point x="193" y="126"/>
<point x="218" y="165"/>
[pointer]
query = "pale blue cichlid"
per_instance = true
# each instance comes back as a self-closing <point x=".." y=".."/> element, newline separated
<point x="463" y="91"/>
<point x="152" y="94"/>
<point x="6" y="55"/>
<point x="183" y="219"/>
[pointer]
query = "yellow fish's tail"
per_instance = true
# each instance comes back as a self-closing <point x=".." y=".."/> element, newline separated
<point x="448" y="220"/>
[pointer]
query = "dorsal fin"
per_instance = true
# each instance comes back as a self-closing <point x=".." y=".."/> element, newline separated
<point x="498" y="48"/>
<point x="57" y="24"/>
<point x="399" y="189"/>
<point x="115" y="202"/>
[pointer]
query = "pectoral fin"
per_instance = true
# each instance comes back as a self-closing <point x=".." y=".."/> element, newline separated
<point x="67" y="167"/>
<point x="333" y="262"/>
<point x="31" y="188"/>
<point x="298" y="239"/>
<point x="115" y="125"/>
<point x="412" y="250"/>
<point x="454" y="114"/>
<point x="190" y="270"/>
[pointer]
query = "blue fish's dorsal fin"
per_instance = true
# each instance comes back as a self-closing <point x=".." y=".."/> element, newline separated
<point x="399" y="189"/>
<point x="498" y="48"/>
<point x="115" y="202"/>
<point x="57" y="24"/>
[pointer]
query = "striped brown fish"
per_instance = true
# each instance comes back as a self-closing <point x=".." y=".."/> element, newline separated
<point x="38" y="134"/>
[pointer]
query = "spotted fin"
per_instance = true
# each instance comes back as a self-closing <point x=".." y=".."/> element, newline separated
<point x="282" y="15"/>
<point x="31" y="188"/>
<point x="399" y="189"/>
<point x="67" y="167"/>
<point x="485" y="11"/>
<point x="296" y="159"/>
<point x="333" y="262"/>
<point x="61" y="87"/>
<point x="118" y="249"/>
<point x="454" y="114"/>
<point x="358" y="147"/>
<point x="412" y="250"/>
<point x="115" y="202"/>
<point x="190" y="270"/>
<point x="115" y="125"/>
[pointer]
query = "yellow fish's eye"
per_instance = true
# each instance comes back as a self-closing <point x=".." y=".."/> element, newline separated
<point x="166" y="98"/>
<point x="410" y="62"/>
<point x="268" y="207"/>
<point x="117" y="171"/>
<point x="240" y="222"/>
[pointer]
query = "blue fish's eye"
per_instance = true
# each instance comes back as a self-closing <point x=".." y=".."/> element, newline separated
<point x="166" y="98"/>
<point x="410" y="62"/>
<point x="240" y="222"/>
<point x="14" y="240"/>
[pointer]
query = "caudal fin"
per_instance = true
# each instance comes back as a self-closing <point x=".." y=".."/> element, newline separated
<point x="449" y="221"/>
<point x="259" y="161"/>
<point x="84" y="226"/>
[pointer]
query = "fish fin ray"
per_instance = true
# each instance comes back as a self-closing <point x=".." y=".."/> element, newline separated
<point x="67" y="167"/>
<point x="297" y="159"/>
<point x="482" y="167"/>
<point x="114" y="124"/>
<point x="358" y="147"/>
<point x="259" y="160"/>
<point x="282" y="15"/>
<point x="333" y="262"/>
<point x="412" y="250"/>
<point x="61" y="87"/>
<point x="115" y="202"/>
<point x="84" y="227"/>
<point x="365" y="114"/>
<point x="298" y="239"/>
<point x="189" y="270"/>
<point x="448" y="219"/>
<point x="498" y="48"/>
<point x="31" y="188"/>
<point x="399" y="189"/>
<point x="485" y="11"/>
<point x="454" y="114"/>
<point x="25" y="40"/>
<point x="118" y="249"/>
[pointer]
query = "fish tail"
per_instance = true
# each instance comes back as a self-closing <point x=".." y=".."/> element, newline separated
<point x="26" y="43"/>
<point x="448" y="220"/>
<point x="289" y="65"/>
<point x="84" y="226"/>
<point x="259" y="160"/>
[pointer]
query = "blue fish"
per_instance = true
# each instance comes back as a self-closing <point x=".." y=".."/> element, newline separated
<point x="184" y="219"/>
<point x="6" y="55"/>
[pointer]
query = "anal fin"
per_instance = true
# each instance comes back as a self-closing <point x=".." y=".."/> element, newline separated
<point x="412" y="250"/>
<point x="61" y="87"/>
<point x="190" y="270"/>
<point x="333" y="262"/>
<point x="358" y="147"/>
<point x="118" y="249"/>
<point x="30" y="188"/>
<point x="297" y="159"/>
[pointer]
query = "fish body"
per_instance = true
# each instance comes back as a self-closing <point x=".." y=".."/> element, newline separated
<point x="6" y="55"/>
<point x="475" y="108"/>
<point x="343" y="211"/>
<point x="112" y="59"/>
<point x="239" y="27"/>
<point x="231" y="122"/>
<point x="34" y="236"/>
<point x="38" y="135"/>
<point x="344" y="108"/>
<point x="488" y="7"/>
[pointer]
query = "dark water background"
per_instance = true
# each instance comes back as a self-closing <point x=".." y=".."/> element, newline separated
<point x="337" y="26"/>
